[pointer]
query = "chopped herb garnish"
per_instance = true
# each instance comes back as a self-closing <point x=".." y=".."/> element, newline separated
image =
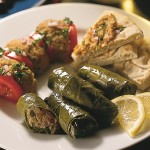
<point x="102" y="26"/>
<point x="64" y="32"/>
<point x="68" y="21"/>
<point x="120" y="28"/>
<point x="1" y="52"/>
<point x="100" y="32"/>
<point x="18" y="51"/>
<point x="41" y="41"/>
<point x="43" y="33"/>
<point x="18" y="72"/>
<point x="48" y="41"/>
<point x="36" y="41"/>
<point x="1" y="70"/>
<point x="16" y="66"/>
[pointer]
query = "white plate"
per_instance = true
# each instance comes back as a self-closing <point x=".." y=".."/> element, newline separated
<point x="13" y="134"/>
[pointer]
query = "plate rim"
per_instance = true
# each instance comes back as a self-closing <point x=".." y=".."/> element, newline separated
<point x="53" y="5"/>
<point x="39" y="6"/>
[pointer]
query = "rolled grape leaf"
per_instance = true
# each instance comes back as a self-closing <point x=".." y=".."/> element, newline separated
<point x="84" y="94"/>
<point x="111" y="83"/>
<point x="37" y="115"/>
<point x="75" y="121"/>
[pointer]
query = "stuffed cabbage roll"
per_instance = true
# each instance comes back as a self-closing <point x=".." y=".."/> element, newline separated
<point x="84" y="94"/>
<point x="74" y="121"/>
<point x="111" y="83"/>
<point x="37" y="115"/>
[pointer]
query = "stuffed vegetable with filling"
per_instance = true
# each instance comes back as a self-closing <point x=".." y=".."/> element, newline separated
<point x="60" y="38"/>
<point x="37" y="115"/>
<point x="74" y="121"/>
<point x="16" y="79"/>
<point x="111" y="83"/>
<point x="84" y="94"/>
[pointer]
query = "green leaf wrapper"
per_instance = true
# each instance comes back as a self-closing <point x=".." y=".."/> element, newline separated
<point x="111" y="83"/>
<point x="37" y="115"/>
<point x="75" y="121"/>
<point x="84" y="94"/>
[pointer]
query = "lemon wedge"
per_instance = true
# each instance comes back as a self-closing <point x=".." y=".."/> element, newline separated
<point x="145" y="98"/>
<point x="131" y="114"/>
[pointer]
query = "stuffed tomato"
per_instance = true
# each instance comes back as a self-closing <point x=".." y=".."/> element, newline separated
<point x="15" y="79"/>
<point x="60" y="38"/>
<point x="29" y="51"/>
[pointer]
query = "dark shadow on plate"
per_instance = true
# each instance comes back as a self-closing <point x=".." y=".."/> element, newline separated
<point x="96" y="139"/>
<point x="9" y="108"/>
<point x="43" y="137"/>
<point x="83" y="143"/>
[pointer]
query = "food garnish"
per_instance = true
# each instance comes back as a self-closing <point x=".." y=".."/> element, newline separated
<point x="131" y="114"/>
<point x="145" y="98"/>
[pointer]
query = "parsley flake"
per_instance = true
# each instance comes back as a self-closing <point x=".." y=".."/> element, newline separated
<point x="19" y="73"/>
<point x="1" y="70"/>
<point x="68" y="21"/>
<point x="1" y="51"/>
<point x="64" y="32"/>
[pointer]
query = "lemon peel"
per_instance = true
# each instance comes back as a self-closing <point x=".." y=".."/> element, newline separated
<point x="131" y="114"/>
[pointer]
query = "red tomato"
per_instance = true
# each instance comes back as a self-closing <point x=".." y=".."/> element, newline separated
<point x="9" y="88"/>
<point x="50" y="53"/>
<point x="72" y="36"/>
<point x="19" y="58"/>
<point x="41" y="43"/>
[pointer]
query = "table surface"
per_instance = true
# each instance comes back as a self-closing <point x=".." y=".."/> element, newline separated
<point x="139" y="7"/>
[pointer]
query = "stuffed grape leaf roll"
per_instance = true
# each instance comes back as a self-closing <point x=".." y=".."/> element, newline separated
<point x="37" y="115"/>
<point x="75" y="121"/>
<point x="111" y="83"/>
<point x="84" y="94"/>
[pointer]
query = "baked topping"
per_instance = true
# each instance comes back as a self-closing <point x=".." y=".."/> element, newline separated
<point x="19" y="71"/>
<point x="102" y="33"/>
<point x="11" y="67"/>
<point x="104" y="30"/>
<point x="33" y="38"/>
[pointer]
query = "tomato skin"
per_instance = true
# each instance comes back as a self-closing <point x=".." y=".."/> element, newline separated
<point x="42" y="44"/>
<point x="73" y="37"/>
<point x="19" y="58"/>
<point x="51" y="53"/>
<point x="10" y="89"/>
